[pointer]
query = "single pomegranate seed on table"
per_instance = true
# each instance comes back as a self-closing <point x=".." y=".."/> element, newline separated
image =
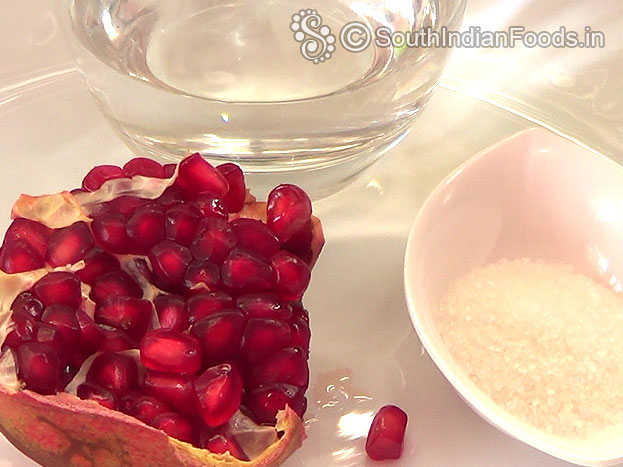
<point x="247" y="272"/>
<point x="176" y="426"/>
<point x="264" y="336"/>
<point x="129" y="314"/>
<point x="219" y="392"/>
<point x="110" y="233"/>
<point x="113" y="284"/>
<point x="171" y="310"/>
<point x="170" y="351"/>
<point x="254" y="236"/>
<point x="181" y="224"/>
<point x="102" y="396"/>
<point x="27" y="302"/>
<point x="202" y="305"/>
<point x="293" y="275"/>
<point x="174" y="390"/>
<point x="264" y="305"/>
<point x="146" y="408"/>
<point x="219" y="335"/>
<point x="196" y="176"/>
<point x="145" y="226"/>
<point x="264" y="402"/>
<point x="386" y="434"/>
<point x="114" y="371"/>
<point x="59" y="288"/>
<point x="64" y="319"/>
<point x="144" y="167"/>
<point x="69" y="244"/>
<point x="39" y="367"/>
<point x="214" y="240"/>
<point x="169" y="261"/>
<point x="97" y="262"/>
<point x="288" y="210"/>
<point x="220" y="444"/>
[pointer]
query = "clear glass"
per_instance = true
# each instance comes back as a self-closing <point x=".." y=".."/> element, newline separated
<point x="229" y="79"/>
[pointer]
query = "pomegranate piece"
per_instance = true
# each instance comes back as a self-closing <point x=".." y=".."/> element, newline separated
<point x="69" y="245"/>
<point x="196" y="176"/>
<point x="169" y="261"/>
<point x="176" y="426"/>
<point x="174" y="390"/>
<point x="264" y="336"/>
<point x="129" y="314"/>
<point x="113" y="284"/>
<point x="386" y="434"/>
<point x="97" y="263"/>
<point x="170" y="351"/>
<point x="89" y="335"/>
<point x="254" y="236"/>
<point x="39" y="367"/>
<point x="287" y="366"/>
<point x="234" y="198"/>
<point x="288" y="209"/>
<point x="209" y="206"/>
<point x="114" y="371"/>
<point x="202" y="305"/>
<point x="28" y="303"/>
<point x="126" y="204"/>
<point x="202" y="276"/>
<point x="264" y="305"/>
<point x="96" y="177"/>
<point x="214" y="240"/>
<point x="219" y="335"/>
<point x="145" y="226"/>
<point x="220" y="444"/>
<point x="59" y="288"/>
<point x="219" y="392"/>
<point x="293" y="275"/>
<point x="145" y="167"/>
<point x="181" y="224"/>
<point x="171" y="311"/>
<point x="264" y="402"/>
<point x="18" y="256"/>
<point x="64" y="319"/>
<point x="244" y="271"/>
<point x="35" y="235"/>
<point x="146" y="408"/>
<point x="103" y="397"/>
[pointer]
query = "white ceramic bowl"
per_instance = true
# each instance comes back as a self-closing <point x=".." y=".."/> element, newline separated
<point x="533" y="195"/>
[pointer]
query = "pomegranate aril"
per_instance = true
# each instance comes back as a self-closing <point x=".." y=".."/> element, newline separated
<point x="115" y="284"/>
<point x="287" y="366"/>
<point x="172" y="196"/>
<point x="69" y="244"/>
<point x="202" y="276"/>
<point x="196" y="176"/>
<point x="255" y="236"/>
<point x="64" y="319"/>
<point x="174" y="390"/>
<point x="97" y="263"/>
<point x="18" y="256"/>
<point x="386" y="434"/>
<point x="181" y="224"/>
<point x="219" y="392"/>
<point x="214" y="240"/>
<point x="176" y="426"/>
<point x="28" y="303"/>
<point x="52" y="337"/>
<point x="127" y="204"/>
<point x="264" y="305"/>
<point x="219" y="335"/>
<point x="169" y="261"/>
<point x="110" y="233"/>
<point x="209" y="206"/>
<point x="146" y="408"/>
<point x="293" y="275"/>
<point x="264" y="402"/>
<point x="115" y="340"/>
<point x="220" y="444"/>
<point x="89" y="335"/>
<point x="288" y="209"/>
<point x="300" y="243"/>
<point x="102" y="396"/>
<point x="39" y="367"/>
<point x="145" y="167"/>
<point x="169" y="170"/>
<point x="59" y="288"/>
<point x="171" y="311"/>
<point x="23" y="329"/>
<point x="244" y="271"/>
<point x="34" y="234"/>
<point x="203" y="305"/>
<point x="234" y="198"/>
<point x="264" y="336"/>
<point x="129" y="314"/>
<point x="301" y="335"/>
<point x="100" y="174"/>
<point x="145" y="226"/>
<point x="114" y="371"/>
<point x="170" y="351"/>
<point x="127" y="400"/>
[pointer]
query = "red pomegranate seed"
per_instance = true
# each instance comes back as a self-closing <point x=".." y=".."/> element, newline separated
<point x="196" y="176"/>
<point x="115" y="284"/>
<point x="172" y="196"/>
<point x="234" y="198"/>
<point x="18" y="256"/>
<point x="103" y="397"/>
<point x="181" y="222"/>
<point x="110" y="233"/>
<point x="301" y="335"/>
<point x="386" y="433"/>
<point x="129" y="314"/>
<point x="287" y="366"/>
<point x="39" y="367"/>
<point x="34" y="234"/>
<point x="114" y="371"/>
<point x="219" y="391"/>
<point x="299" y="311"/>
<point x="145" y="226"/>
<point x="288" y="209"/>
<point x="175" y="425"/>
<point x="169" y="261"/>
<point x="171" y="311"/>
<point x="115" y="340"/>
<point x="169" y="170"/>
<point x="69" y="244"/>
<point x="214" y="240"/>
<point x="174" y="390"/>
<point x="220" y="444"/>
<point x="209" y="206"/>
<point x="100" y="174"/>
<point x="127" y="204"/>
<point x="127" y="400"/>
<point x="146" y="408"/>
<point x="64" y="319"/>
<point x="203" y="305"/>
<point x="300" y="243"/>
<point x="244" y="271"/>
<point x="97" y="263"/>
<point x="58" y="288"/>
<point x="254" y="236"/>
<point x="202" y="276"/>
<point x="293" y="275"/>
<point x="28" y="303"/>
<point x="145" y="167"/>
<point x="219" y="335"/>
<point x="89" y="335"/>
<point x="51" y="336"/>
<point x="264" y="305"/>
<point x="170" y="351"/>
<point x="23" y="329"/>
<point x="264" y="336"/>
<point x="264" y="402"/>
